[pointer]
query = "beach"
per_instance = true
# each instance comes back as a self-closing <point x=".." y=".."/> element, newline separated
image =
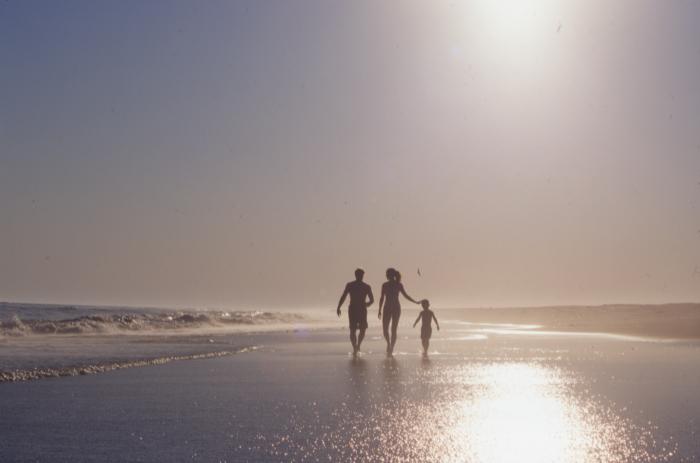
<point x="192" y="193"/>
<point x="487" y="392"/>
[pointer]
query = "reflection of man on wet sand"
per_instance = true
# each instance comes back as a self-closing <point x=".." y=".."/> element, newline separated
<point x="359" y="291"/>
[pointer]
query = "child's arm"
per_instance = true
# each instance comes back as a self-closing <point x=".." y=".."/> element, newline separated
<point x="436" y="322"/>
<point x="415" y="322"/>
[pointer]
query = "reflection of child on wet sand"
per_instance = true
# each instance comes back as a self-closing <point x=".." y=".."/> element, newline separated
<point x="426" y="329"/>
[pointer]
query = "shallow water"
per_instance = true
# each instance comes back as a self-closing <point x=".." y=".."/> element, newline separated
<point x="497" y="398"/>
<point x="519" y="404"/>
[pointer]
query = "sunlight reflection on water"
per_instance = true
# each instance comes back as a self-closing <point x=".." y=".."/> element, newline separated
<point x="479" y="412"/>
<point x="531" y="413"/>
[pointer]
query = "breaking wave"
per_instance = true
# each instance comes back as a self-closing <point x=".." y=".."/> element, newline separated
<point x="53" y="321"/>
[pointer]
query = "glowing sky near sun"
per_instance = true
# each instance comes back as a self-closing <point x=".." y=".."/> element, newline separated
<point x="252" y="154"/>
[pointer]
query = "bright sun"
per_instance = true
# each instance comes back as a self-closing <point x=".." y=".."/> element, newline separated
<point x="515" y="33"/>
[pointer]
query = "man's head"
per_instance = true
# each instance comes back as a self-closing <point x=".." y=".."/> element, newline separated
<point x="359" y="274"/>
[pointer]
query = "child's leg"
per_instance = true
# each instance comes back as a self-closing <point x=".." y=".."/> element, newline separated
<point x="426" y="344"/>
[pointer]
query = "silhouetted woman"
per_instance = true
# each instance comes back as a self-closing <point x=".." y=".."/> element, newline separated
<point x="392" y="309"/>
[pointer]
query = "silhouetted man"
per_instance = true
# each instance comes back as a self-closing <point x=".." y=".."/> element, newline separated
<point x="359" y="291"/>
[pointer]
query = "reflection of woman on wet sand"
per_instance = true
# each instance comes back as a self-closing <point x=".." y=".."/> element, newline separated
<point x="392" y="309"/>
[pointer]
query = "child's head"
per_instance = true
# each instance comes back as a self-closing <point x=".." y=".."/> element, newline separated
<point x="425" y="303"/>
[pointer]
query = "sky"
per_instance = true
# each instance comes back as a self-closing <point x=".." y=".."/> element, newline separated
<point x="251" y="155"/>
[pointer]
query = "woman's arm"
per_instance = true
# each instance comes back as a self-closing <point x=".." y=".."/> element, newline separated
<point x="381" y="303"/>
<point x="407" y="296"/>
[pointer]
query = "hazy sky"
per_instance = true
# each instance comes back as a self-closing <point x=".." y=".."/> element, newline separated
<point x="252" y="154"/>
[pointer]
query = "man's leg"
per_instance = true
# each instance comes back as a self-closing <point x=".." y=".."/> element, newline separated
<point x="353" y="339"/>
<point x="360" y="338"/>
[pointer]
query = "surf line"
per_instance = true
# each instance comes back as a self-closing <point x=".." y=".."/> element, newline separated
<point x="42" y="373"/>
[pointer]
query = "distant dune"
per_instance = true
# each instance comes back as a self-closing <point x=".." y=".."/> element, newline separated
<point x="677" y="321"/>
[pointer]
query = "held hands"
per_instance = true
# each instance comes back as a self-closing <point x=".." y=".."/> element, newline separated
<point x="338" y="311"/>
<point x="379" y="315"/>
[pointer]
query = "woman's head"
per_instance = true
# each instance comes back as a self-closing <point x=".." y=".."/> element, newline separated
<point x="390" y="273"/>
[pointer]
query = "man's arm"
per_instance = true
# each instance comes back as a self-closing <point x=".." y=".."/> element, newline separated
<point x="342" y="299"/>
<point x="370" y="295"/>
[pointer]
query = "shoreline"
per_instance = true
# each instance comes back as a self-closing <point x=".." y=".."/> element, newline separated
<point x="667" y="321"/>
<point x="33" y="374"/>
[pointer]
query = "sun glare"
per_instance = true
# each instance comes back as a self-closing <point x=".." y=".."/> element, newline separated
<point x="527" y="413"/>
<point x="519" y="403"/>
<point x="514" y="33"/>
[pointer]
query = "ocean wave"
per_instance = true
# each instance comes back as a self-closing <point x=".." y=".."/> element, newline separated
<point x="133" y="321"/>
<point x="91" y="369"/>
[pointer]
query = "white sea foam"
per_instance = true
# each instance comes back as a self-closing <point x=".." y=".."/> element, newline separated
<point x="89" y="369"/>
<point x="29" y="319"/>
<point x="40" y="340"/>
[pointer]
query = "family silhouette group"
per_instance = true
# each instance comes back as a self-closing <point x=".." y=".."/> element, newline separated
<point x="361" y="298"/>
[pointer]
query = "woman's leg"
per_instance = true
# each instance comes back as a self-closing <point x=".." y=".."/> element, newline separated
<point x="386" y="319"/>
<point x="394" y="327"/>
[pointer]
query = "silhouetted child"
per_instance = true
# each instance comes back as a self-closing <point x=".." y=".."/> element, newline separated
<point x="426" y="329"/>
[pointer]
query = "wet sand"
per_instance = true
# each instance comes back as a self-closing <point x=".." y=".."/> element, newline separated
<point x="675" y="321"/>
<point x="486" y="393"/>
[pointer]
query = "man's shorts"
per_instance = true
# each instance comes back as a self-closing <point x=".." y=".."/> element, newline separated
<point x="358" y="317"/>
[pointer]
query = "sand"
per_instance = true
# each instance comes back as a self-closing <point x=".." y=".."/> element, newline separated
<point x="675" y="321"/>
